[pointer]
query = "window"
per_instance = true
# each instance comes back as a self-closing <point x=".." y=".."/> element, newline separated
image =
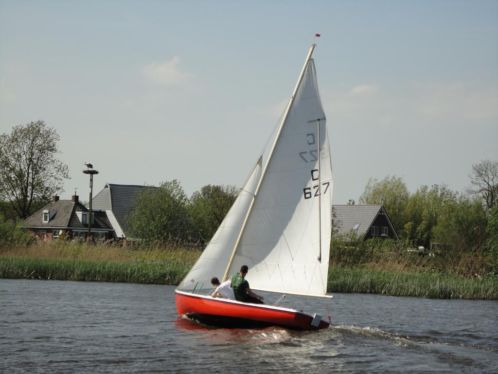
<point x="84" y="218"/>
<point x="374" y="231"/>
<point x="79" y="234"/>
<point x="46" y="216"/>
<point x="385" y="231"/>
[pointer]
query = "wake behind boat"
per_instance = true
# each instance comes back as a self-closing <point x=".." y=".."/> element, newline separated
<point x="279" y="225"/>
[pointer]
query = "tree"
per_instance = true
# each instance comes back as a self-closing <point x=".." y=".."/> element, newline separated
<point x="462" y="224"/>
<point x="29" y="169"/>
<point x="390" y="192"/>
<point x="161" y="216"/>
<point x="7" y="211"/>
<point x="484" y="178"/>
<point x="209" y="206"/>
<point x="422" y="212"/>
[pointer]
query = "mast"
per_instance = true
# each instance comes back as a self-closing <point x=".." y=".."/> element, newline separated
<point x="319" y="193"/>
<point x="282" y="123"/>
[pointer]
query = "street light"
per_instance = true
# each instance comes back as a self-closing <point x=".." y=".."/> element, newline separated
<point x="91" y="171"/>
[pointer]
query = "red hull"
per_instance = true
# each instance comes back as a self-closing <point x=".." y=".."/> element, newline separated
<point x="233" y="313"/>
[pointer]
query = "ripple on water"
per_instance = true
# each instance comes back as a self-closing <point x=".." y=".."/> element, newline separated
<point x="134" y="328"/>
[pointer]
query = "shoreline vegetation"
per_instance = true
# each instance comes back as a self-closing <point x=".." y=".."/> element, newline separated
<point x="378" y="268"/>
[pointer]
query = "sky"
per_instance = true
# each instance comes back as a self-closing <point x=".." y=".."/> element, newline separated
<point x="151" y="91"/>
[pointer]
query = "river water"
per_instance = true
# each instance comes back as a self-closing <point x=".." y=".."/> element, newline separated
<point x="77" y="327"/>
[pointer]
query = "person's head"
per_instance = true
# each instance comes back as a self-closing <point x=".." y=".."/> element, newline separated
<point x="215" y="281"/>
<point x="243" y="270"/>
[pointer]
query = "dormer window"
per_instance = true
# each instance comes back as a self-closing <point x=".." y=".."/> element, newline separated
<point x="83" y="217"/>
<point x="46" y="216"/>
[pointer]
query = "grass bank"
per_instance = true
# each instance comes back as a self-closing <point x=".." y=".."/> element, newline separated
<point x="414" y="276"/>
<point x="80" y="270"/>
<point x="395" y="268"/>
<point x="81" y="262"/>
<point x="421" y="284"/>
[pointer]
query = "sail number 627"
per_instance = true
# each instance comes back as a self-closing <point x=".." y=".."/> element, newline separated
<point x="314" y="191"/>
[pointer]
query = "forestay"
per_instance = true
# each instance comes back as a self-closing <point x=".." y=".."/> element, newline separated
<point x="280" y="224"/>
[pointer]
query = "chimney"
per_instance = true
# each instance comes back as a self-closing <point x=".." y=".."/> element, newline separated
<point x="75" y="198"/>
<point x="56" y="197"/>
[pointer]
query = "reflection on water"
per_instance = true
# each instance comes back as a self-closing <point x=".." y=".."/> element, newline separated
<point x="268" y="335"/>
<point x="50" y="326"/>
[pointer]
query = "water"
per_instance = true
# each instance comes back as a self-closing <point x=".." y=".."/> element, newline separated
<point x="66" y="327"/>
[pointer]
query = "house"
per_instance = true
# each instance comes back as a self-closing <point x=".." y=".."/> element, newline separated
<point x="364" y="221"/>
<point x="118" y="200"/>
<point x="69" y="219"/>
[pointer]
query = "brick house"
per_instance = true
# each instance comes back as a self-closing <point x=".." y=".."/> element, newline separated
<point x="67" y="219"/>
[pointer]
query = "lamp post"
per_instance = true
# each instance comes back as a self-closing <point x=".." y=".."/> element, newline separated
<point x="91" y="171"/>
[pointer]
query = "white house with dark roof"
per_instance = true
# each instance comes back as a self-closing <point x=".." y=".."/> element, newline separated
<point x="118" y="200"/>
<point x="364" y="221"/>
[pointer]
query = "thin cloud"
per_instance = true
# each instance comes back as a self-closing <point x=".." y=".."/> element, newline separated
<point x="7" y="96"/>
<point x="363" y="90"/>
<point x="416" y="104"/>
<point x="166" y="73"/>
<point x="459" y="102"/>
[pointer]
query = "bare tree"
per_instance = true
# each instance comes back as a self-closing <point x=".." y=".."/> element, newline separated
<point x="29" y="169"/>
<point x="484" y="178"/>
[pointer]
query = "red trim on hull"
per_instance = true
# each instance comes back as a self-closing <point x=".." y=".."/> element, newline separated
<point x="214" y="308"/>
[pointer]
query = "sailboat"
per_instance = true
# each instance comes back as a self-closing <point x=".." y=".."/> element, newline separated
<point x="279" y="225"/>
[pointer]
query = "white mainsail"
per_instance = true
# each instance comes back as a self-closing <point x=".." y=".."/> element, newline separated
<point x="280" y="224"/>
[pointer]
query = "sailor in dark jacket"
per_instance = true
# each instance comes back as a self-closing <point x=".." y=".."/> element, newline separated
<point x="241" y="288"/>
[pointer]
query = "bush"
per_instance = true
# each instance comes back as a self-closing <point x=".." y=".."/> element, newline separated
<point x="399" y="255"/>
<point x="209" y="206"/>
<point x="161" y="216"/>
<point x="11" y="234"/>
<point x="462" y="225"/>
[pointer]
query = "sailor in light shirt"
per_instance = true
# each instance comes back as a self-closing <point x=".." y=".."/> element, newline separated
<point x="223" y="290"/>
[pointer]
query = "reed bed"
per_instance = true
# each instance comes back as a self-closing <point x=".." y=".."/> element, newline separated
<point x="425" y="284"/>
<point x="80" y="270"/>
<point x="83" y="262"/>
<point x="98" y="253"/>
<point x="168" y="265"/>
